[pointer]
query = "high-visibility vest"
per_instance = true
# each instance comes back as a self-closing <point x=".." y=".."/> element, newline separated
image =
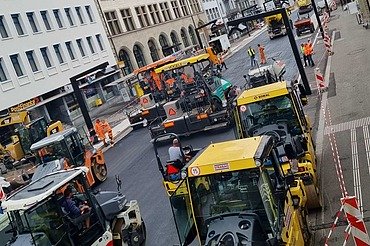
<point x="251" y="52"/>
<point x="302" y="50"/>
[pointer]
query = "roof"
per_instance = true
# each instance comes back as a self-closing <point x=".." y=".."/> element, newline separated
<point x="53" y="138"/>
<point x="263" y="92"/>
<point x="183" y="63"/>
<point x="259" y="70"/>
<point x="226" y="156"/>
<point x="40" y="189"/>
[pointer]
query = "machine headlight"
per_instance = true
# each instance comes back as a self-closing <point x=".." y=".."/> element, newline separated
<point x="258" y="163"/>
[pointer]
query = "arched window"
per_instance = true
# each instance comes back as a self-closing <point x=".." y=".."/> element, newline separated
<point x="175" y="41"/>
<point x="124" y="56"/>
<point x="163" y="41"/>
<point x="139" y="56"/>
<point x="153" y="50"/>
<point x="184" y="37"/>
<point x="192" y="35"/>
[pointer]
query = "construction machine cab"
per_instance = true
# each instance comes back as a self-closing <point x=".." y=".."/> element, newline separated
<point x="38" y="215"/>
<point x="66" y="149"/>
<point x="247" y="199"/>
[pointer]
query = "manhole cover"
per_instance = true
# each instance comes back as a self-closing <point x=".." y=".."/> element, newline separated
<point x="354" y="52"/>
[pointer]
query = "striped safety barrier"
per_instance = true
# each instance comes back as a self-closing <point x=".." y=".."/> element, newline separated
<point x="327" y="43"/>
<point x="319" y="79"/>
<point x="355" y="221"/>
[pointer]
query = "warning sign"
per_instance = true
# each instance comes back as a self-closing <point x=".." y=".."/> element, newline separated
<point x="243" y="108"/>
<point x="171" y="112"/>
<point x="145" y="100"/>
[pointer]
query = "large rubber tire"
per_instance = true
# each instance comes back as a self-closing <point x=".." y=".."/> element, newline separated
<point x="298" y="33"/>
<point x="99" y="172"/>
<point x="312" y="29"/>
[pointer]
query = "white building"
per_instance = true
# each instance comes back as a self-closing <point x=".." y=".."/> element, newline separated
<point x="145" y="31"/>
<point x="43" y="44"/>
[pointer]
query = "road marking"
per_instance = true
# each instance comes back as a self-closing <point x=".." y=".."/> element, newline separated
<point x="347" y="125"/>
<point x="356" y="169"/>
<point x="367" y="145"/>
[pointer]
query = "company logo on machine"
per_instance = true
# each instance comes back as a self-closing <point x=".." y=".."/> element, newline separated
<point x="2" y="194"/>
<point x="24" y="105"/>
<point x="243" y="108"/>
<point x="171" y="112"/>
<point x="195" y="171"/>
<point x="261" y="96"/>
<point x="222" y="166"/>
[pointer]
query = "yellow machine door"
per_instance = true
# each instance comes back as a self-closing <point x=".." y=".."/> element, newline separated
<point x="183" y="214"/>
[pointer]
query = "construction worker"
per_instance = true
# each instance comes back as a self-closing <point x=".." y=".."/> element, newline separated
<point x="222" y="61"/>
<point x="252" y="55"/>
<point x="107" y="129"/>
<point x="303" y="54"/>
<point x="261" y="51"/>
<point x="99" y="131"/>
<point x="308" y="51"/>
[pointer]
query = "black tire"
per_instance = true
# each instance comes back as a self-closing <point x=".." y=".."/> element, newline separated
<point x="298" y="33"/>
<point x="312" y="29"/>
<point x="99" y="172"/>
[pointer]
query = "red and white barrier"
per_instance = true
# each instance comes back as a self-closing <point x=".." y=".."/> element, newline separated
<point x="327" y="43"/>
<point x="355" y="220"/>
<point x="319" y="79"/>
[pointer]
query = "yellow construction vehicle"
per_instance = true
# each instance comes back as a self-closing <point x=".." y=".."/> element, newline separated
<point x="24" y="132"/>
<point x="250" y="201"/>
<point x="277" y="110"/>
<point x="275" y="23"/>
<point x="304" y="6"/>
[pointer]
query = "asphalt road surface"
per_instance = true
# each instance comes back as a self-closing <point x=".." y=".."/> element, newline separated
<point x="133" y="157"/>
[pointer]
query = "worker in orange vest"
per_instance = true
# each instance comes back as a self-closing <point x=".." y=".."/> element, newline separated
<point x="99" y="131"/>
<point x="308" y="51"/>
<point x="261" y="50"/>
<point x="108" y="129"/>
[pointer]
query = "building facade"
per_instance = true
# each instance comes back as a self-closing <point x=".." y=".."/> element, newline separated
<point x="142" y="32"/>
<point x="45" y="43"/>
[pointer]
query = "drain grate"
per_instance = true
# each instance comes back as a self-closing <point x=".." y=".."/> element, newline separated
<point x="337" y="35"/>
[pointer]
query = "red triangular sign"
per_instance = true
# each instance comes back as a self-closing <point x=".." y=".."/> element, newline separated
<point x="171" y="112"/>
<point x="145" y="100"/>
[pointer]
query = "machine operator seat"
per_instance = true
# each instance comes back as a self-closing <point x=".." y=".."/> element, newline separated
<point x="173" y="168"/>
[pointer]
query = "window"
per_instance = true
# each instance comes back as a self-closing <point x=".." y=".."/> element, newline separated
<point x="3" y="73"/>
<point x="175" y="7"/>
<point x="91" y="44"/>
<point x="165" y="11"/>
<point x="18" y="24"/>
<point x="113" y="24"/>
<point x="139" y="56"/>
<point x="127" y="19"/>
<point x="152" y="14"/>
<point x="46" y="56"/>
<point x="175" y="41"/>
<point x="88" y="11"/>
<point x="3" y="29"/>
<point x="46" y="19"/>
<point x="124" y="56"/>
<point x="70" y="50"/>
<point x="58" y="18"/>
<point x="184" y="38"/>
<point x="142" y="15"/>
<point x="69" y="16"/>
<point x="100" y="42"/>
<point x="81" y="47"/>
<point x="194" y="5"/>
<point x="17" y="65"/>
<point x="156" y="10"/>
<point x="31" y="19"/>
<point x="79" y="14"/>
<point x="153" y="50"/>
<point x="32" y="60"/>
<point x="184" y="7"/>
<point x="58" y="52"/>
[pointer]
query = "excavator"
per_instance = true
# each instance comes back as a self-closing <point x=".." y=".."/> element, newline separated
<point x="249" y="200"/>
